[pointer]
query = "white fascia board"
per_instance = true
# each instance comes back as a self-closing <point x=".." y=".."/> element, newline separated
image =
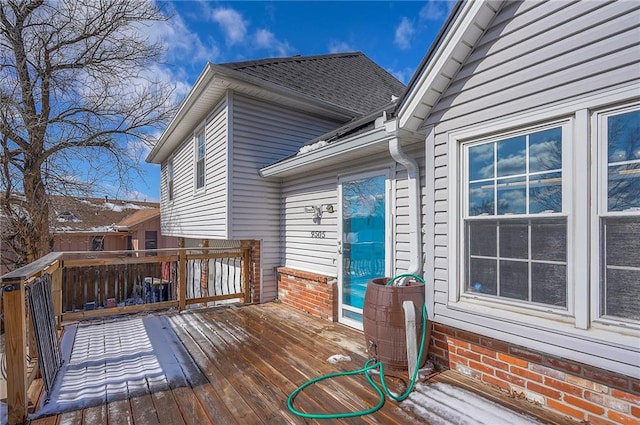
<point x="473" y="12"/>
<point x="201" y="83"/>
<point x="331" y="152"/>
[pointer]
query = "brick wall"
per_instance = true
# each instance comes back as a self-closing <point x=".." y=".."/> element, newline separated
<point x="311" y="292"/>
<point x="580" y="391"/>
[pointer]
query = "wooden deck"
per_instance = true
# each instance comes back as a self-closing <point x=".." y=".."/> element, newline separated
<point x="250" y="358"/>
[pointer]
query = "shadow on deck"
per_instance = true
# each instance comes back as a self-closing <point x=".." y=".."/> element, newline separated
<point x="238" y="365"/>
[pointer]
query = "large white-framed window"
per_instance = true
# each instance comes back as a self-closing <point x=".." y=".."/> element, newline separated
<point x="200" y="166"/>
<point x="545" y="221"/>
<point x="514" y="221"/>
<point x="616" y="223"/>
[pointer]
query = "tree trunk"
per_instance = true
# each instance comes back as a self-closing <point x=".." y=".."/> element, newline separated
<point x="37" y="233"/>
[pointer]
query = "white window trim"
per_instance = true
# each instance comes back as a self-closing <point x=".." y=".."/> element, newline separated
<point x="580" y="323"/>
<point x="514" y="305"/>
<point x="599" y="208"/>
<point x="196" y="134"/>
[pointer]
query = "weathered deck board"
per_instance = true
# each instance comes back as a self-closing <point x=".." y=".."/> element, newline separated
<point x="96" y="415"/>
<point x="246" y="362"/>
<point x="167" y="408"/>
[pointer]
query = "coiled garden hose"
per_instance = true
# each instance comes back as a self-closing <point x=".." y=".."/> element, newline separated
<point x="368" y="366"/>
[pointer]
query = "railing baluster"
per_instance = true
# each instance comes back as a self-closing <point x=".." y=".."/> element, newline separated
<point x="182" y="281"/>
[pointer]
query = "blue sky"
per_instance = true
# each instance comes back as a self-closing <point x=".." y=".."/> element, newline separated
<point x="394" y="34"/>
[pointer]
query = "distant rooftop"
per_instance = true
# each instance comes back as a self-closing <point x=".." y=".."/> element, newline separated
<point x="349" y="80"/>
<point x="75" y="214"/>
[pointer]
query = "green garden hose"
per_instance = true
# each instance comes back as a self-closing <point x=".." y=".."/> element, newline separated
<point x="369" y="365"/>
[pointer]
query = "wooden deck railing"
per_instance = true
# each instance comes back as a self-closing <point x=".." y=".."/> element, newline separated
<point x="93" y="284"/>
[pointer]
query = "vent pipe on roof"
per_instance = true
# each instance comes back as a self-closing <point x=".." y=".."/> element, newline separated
<point x="413" y="180"/>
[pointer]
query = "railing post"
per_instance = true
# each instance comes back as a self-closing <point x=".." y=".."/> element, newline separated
<point x="56" y="294"/>
<point x="246" y="264"/>
<point x="204" y="270"/>
<point x="182" y="280"/>
<point x="16" y="349"/>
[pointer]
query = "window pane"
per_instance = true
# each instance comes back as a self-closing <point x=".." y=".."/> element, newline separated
<point x="623" y="136"/>
<point x="512" y="196"/>
<point x="512" y="156"/>
<point x="481" y="162"/>
<point x="622" y="241"/>
<point x="622" y="297"/>
<point x="545" y="193"/>
<point x="201" y="146"/>
<point x="482" y="238"/>
<point x="545" y="150"/>
<point x="482" y="276"/>
<point x="514" y="239"/>
<point x="549" y="239"/>
<point x="549" y="284"/>
<point x="481" y="198"/>
<point x="514" y="280"/>
<point x="624" y="187"/>
<point x="200" y="173"/>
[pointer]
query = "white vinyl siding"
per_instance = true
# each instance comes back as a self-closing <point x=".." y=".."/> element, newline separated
<point x="262" y="134"/>
<point x="536" y="54"/>
<point x="537" y="62"/>
<point x="301" y="251"/>
<point x="201" y="214"/>
<point x="320" y="187"/>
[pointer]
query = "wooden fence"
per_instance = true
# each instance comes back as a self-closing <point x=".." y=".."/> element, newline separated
<point x="86" y="285"/>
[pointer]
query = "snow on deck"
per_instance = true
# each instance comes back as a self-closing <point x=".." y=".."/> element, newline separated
<point x="440" y="403"/>
<point x="118" y="358"/>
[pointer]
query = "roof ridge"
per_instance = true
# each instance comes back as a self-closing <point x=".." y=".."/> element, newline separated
<point x="296" y="58"/>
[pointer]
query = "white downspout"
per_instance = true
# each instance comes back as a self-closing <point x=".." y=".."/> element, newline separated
<point x="413" y="179"/>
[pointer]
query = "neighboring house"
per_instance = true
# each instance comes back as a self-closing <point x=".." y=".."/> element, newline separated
<point x="242" y="116"/>
<point x="507" y="175"/>
<point x="97" y="224"/>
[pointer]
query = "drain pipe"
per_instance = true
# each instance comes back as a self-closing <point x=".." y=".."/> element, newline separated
<point x="413" y="179"/>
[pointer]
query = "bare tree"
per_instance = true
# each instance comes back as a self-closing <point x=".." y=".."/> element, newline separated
<point x="76" y="91"/>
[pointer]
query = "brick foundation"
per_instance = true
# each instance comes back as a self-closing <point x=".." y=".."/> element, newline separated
<point x="580" y="391"/>
<point x="313" y="293"/>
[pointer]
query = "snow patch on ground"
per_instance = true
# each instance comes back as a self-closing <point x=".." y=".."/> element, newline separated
<point x="337" y="358"/>
<point x="115" y="360"/>
<point x="120" y="208"/>
<point x="440" y="403"/>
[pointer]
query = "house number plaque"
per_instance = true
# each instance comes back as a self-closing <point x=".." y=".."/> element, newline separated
<point x="318" y="235"/>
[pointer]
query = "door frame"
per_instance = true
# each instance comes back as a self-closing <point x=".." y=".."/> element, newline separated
<point x="388" y="240"/>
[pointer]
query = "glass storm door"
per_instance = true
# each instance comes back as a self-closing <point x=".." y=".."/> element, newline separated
<point x="362" y="253"/>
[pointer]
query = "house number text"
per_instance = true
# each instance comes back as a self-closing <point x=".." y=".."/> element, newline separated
<point x="318" y="235"/>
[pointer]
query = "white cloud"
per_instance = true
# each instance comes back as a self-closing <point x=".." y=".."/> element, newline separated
<point x="232" y="23"/>
<point x="336" y="46"/>
<point x="436" y="10"/>
<point x="404" y="32"/>
<point x="403" y="75"/>
<point x="265" y="39"/>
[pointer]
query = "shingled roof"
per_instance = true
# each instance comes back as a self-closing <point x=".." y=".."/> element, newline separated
<point x="349" y="80"/>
